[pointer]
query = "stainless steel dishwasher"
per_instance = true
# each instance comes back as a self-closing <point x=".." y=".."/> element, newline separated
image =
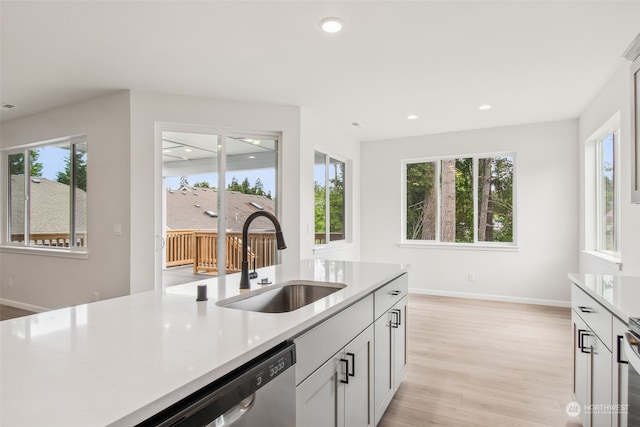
<point x="261" y="392"/>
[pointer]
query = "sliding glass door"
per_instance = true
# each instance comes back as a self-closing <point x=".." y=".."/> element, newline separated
<point x="211" y="182"/>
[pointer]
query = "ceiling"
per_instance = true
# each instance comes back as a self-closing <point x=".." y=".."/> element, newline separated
<point x="531" y="61"/>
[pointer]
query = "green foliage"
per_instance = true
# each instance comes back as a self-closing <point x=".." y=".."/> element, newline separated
<point x="246" y="188"/>
<point x="336" y="210"/>
<point x="16" y="164"/>
<point x="202" y="184"/>
<point x="464" y="200"/>
<point x="420" y="181"/>
<point x="501" y="202"/>
<point x="81" y="171"/>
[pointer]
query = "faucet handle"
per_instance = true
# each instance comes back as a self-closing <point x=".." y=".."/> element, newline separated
<point x="253" y="274"/>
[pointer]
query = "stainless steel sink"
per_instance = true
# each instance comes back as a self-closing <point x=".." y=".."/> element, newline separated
<point x="282" y="298"/>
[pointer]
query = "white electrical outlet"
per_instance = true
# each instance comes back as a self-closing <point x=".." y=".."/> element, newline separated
<point x="472" y="277"/>
<point x="96" y="296"/>
<point x="117" y="229"/>
<point x="11" y="282"/>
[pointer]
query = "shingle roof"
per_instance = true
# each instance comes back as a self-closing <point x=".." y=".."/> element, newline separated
<point x="186" y="209"/>
<point x="49" y="206"/>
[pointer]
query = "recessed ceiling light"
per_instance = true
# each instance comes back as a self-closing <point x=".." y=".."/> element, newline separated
<point x="412" y="117"/>
<point x="484" y="107"/>
<point x="252" y="157"/>
<point x="188" y="150"/>
<point x="331" y="25"/>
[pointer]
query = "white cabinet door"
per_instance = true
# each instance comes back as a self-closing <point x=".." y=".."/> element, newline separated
<point x="399" y="343"/>
<point x="358" y="393"/>
<point x="601" y="362"/>
<point x="320" y="398"/>
<point x="383" y="364"/>
<point x="620" y="374"/>
<point x="581" y="366"/>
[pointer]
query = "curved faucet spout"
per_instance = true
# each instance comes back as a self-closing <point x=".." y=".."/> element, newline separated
<point x="244" y="278"/>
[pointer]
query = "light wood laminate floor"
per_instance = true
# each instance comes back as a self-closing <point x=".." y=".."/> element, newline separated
<point x="484" y="363"/>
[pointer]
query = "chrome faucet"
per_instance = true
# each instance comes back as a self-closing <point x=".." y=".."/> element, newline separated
<point x="244" y="278"/>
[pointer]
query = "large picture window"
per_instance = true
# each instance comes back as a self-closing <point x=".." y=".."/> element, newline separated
<point x="47" y="195"/>
<point x="329" y="191"/>
<point x="466" y="199"/>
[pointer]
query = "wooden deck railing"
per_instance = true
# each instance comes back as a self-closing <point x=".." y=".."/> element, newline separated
<point x="59" y="240"/>
<point x="200" y="248"/>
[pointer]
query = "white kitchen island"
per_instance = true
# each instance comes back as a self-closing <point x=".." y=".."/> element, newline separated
<point x="119" y="361"/>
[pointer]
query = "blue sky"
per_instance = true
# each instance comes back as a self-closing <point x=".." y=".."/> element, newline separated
<point x="52" y="159"/>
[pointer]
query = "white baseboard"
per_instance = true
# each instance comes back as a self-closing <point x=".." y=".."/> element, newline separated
<point x="519" y="300"/>
<point x="23" y="306"/>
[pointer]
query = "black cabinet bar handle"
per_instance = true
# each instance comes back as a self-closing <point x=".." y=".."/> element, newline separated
<point x="395" y="322"/>
<point x="581" y="334"/>
<point x="620" y="338"/>
<point x="346" y="376"/>
<point x="586" y="309"/>
<point x="394" y="293"/>
<point x="353" y="365"/>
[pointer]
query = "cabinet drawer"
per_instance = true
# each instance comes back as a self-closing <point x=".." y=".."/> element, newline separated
<point x="595" y="316"/>
<point x="388" y="295"/>
<point x="316" y="346"/>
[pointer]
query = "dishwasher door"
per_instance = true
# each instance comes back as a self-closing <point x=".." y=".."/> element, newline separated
<point x="262" y="392"/>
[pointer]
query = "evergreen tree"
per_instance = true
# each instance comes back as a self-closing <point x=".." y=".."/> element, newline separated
<point x="202" y="184"/>
<point x="81" y="171"/>
<point x="16" y="164"/>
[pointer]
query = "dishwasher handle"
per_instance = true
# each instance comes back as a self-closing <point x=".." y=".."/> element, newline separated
<point x="235" y="413"/>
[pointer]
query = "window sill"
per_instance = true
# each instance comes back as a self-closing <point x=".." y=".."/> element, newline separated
<point x="332" y="247"/>
<point x="60" y="253"/>
<point x="609" y="260"/>
<point x="460" y="246"/>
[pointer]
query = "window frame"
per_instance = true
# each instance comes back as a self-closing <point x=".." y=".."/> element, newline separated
<point x="599" y="245"/>
<point x="347" y="201"/>
<point x="481" y="245"/>
<point x="6" y="245"/>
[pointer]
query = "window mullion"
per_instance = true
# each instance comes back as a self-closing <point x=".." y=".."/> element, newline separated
<point x="474" y="194"/>
<point x="27" y="198"/>
<point x="327" y="198"/>
<point x="438" y="198"/>
<point x="72" y="195"/>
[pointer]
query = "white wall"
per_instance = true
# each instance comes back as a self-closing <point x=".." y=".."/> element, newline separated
<point x="547" y="203"/>
<point x="615" y="97"/>
<point x="53" y="282"/>
<point x="147" y="109"/>
<point x="318" y="135"/>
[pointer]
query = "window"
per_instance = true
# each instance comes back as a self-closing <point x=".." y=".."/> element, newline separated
<point x="329" y="191"/>
<point x="47" y="195"/>
<point x="606" y="199"/>
<point x="460" y="199"/>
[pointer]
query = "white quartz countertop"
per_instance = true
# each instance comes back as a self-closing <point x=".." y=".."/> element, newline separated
<point x="618" y="294"/>
<point x="119" y="361"/>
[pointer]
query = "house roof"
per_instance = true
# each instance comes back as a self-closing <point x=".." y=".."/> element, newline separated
<point x="187" y="209"/>
<point x="49" y="206"/>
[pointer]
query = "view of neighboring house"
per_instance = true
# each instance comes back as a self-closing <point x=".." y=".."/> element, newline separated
<point x="48" y="211"/>
<point x="197" y="208"/>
